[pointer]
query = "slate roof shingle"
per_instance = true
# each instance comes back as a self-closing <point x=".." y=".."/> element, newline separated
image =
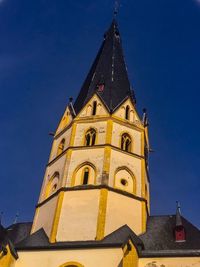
<point x="109" y="68"/>
<point x="159" y="236"/>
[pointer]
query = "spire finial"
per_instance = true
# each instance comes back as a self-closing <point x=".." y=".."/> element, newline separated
<point x="178" y="214"/>
<point x="116" y="8"/>
<point x="178" y="206"/>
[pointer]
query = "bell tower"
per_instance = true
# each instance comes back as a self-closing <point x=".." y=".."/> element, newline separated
<point x="97" y="179"/>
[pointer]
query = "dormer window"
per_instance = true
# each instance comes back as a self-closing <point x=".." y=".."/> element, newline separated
<point x="180" y="235"/>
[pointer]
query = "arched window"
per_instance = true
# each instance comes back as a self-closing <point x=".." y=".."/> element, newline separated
<point x="126" y="142"/>
<point x="94" y="108"/>
<point x="127" y="113"/>
<point x="52" y="185"/>
<point x="125" y="180"/>
<point x="61" y="147"/>
<point x="85" y="176"/>
<point x="90" y="137"/>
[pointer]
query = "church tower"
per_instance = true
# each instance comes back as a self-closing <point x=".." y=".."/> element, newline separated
<point x="97" y="179"/>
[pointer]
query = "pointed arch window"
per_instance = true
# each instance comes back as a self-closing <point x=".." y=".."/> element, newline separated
<point x="126" y="142"/>
<point x="52" y="185"/>
<point x="61" y="147"/>
<point x="127" y="113"/>
<point x="90" y="137"/>
<point x="94" y="108"/>
<point x="85" y="176"/>
<point x="125" y="180"/>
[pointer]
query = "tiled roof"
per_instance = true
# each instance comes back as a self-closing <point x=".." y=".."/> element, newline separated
<point x="118" y="238"/>
<point x="159" y="237"/>
<point x="158" y="241"/>
<point x="17" y="232"/>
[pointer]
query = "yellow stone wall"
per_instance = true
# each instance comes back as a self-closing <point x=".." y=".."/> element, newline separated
<point x="119" y="159"/>
<point x="57" y="166"/>
<point x="119" y="129"/>
<point x="78" y="217"/>
<point x="130" y="256"/>
<point x="86" y="258"/>
<point x="7" y="260"/>
<point x="65" y="120"/>
<point x="88" y="215"/>
<point x="86" y="111"/>
<point x="120" y="111"/>
<point x="66" y="135"/>
<point x="123" y="210"/>
<point x="99" y="126"/>
<point x="41" y="215"/>
<point x="92" y="155"/>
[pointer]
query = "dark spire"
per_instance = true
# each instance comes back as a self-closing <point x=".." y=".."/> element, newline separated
<point x="108" y="75"/>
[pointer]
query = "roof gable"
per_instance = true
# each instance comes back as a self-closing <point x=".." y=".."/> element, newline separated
<point x="120" y="111"/>
<point x="101" y="108"/>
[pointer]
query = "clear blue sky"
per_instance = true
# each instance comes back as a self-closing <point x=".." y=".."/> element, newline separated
<point x="46" y="49"/>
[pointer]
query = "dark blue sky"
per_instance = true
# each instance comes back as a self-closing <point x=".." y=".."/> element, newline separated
<point x="46" y="49"/>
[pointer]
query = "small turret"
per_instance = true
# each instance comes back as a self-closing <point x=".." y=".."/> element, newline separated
<point x="179" y="230"/>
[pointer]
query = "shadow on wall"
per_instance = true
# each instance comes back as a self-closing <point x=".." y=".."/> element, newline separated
<point x="154" y="264"/>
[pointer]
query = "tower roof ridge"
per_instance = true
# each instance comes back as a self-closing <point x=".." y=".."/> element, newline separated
<point x="108" y="74"/>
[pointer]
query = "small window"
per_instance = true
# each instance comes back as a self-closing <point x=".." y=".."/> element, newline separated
<point x="124" y="182"/>
<point x="126" y="142"/>
<point x="127" y="113"/>
<point x="94" y="109"/>
<point x="86" y="176"/>
<point x="52" y="185"/>
<point x="90" y="137"/>
<point x="61" y="147"/>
